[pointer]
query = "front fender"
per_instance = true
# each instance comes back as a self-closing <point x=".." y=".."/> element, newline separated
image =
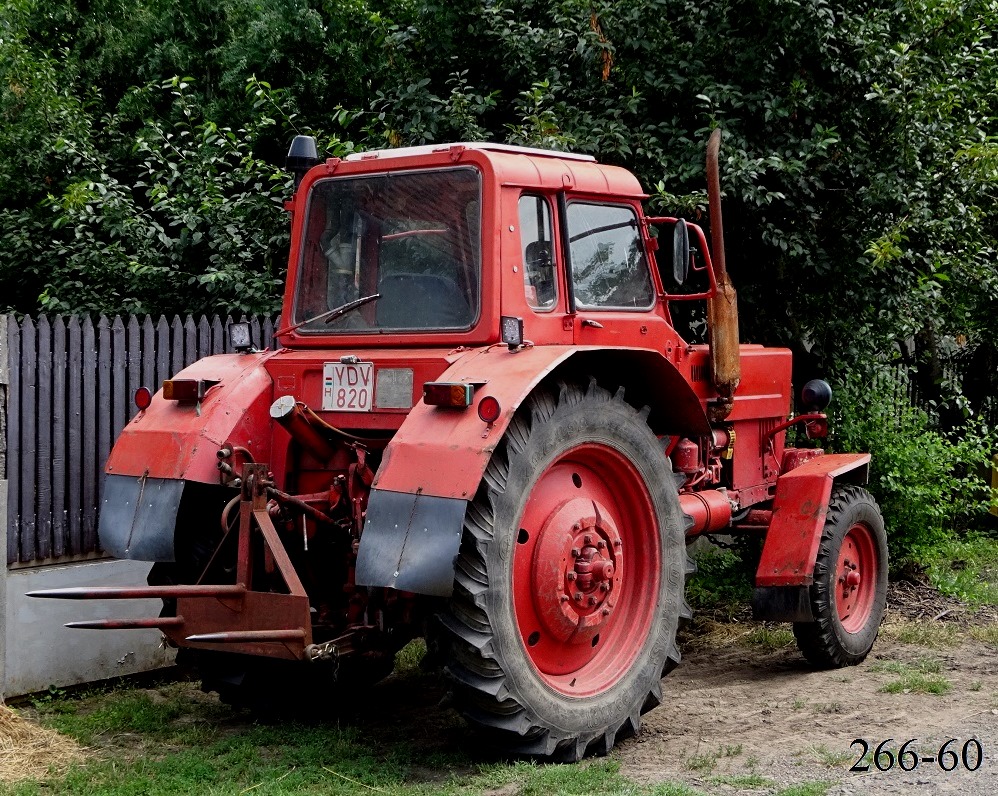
<point x="786" y="567"/>
<point x="431" y="469"/>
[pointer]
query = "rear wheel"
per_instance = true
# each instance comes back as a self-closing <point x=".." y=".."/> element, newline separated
<point x="849" y="593"/>
<point x="569" y="584"/>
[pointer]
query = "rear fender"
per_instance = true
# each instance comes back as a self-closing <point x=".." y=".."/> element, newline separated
<point x="169" y="450"/>
<point x="786" y="568"/>
<point x="432" y="468"/>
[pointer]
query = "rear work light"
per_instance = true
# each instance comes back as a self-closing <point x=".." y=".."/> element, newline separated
<point x="186" y="389"/>
<point x="447" y="393"/>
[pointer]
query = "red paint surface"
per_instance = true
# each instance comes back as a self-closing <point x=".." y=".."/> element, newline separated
<point x="799" y="510"/>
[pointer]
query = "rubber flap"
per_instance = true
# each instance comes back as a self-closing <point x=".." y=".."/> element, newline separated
<point x="410" y="542"/>
<point x="138" y="516"/>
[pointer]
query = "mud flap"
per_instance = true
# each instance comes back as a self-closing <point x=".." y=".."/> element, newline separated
<point x="782" y="604"/>
<point x="410" y="542"/>
<point x="138" y="516"/>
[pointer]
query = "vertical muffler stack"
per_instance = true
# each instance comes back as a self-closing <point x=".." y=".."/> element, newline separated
<point x="722" y="308"/>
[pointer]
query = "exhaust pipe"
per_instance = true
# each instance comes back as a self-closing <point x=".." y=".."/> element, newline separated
<point x="722" y="308"/>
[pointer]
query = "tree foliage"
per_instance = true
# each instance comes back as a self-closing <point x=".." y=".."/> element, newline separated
<point x="858" y="167"/>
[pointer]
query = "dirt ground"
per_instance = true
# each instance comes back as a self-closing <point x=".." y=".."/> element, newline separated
<point x="733" y="712"/>
<point x="744" y="714"/>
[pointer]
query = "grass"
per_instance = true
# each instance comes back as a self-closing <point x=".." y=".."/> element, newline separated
<point x="171" y="739"/>
<point x="988" y="634"/>
<point x="770" y="638"/>
<point x="965" y="568"/>
<point x="830" y="758"/>
<point x="743" y="781"/>
<point x="922" y="677"/>
<point x="923" y="634"/>
<point x="806" y="789"/>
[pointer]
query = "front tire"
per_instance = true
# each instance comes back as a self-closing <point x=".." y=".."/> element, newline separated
<point x="849" y="593"/>
<point x="570" y="579"/>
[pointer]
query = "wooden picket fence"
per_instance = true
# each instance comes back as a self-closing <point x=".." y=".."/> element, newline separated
<point x="70" y="384"/>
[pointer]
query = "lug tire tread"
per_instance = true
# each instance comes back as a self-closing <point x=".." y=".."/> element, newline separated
<point x="482" y="691"/>
<point x="819" y="641"/>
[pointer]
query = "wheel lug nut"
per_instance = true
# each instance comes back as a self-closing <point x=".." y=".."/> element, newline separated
<point x="576" y="552"/>
<point x="604" y="587"/>
<point x="601" y="545"/>
<point x="578" y="597"/>
<point x="606" y="612"/>
<point x="587" y="539"/>
<point x="591" y="601"/>
<point x="564" y="598"/>
<point x="617" y="544"/>
<point x="571" y="576"/>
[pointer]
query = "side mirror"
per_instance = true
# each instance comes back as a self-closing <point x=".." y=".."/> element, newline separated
<point x="680" y="252"/>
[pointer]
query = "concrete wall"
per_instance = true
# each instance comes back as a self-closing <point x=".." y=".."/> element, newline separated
<point x="38" y="651"/>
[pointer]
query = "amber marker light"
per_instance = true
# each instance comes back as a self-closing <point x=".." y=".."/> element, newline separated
<point x="489" y="409"/>
<point x="456" y="395"/>
<point x="143" y="398"/>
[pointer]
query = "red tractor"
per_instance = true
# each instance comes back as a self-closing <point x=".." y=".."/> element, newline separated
<point x="483" y="427"/>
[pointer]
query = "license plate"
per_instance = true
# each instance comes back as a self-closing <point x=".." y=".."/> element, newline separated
<point x="347" y="388"/>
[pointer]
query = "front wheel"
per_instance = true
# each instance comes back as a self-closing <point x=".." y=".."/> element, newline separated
<point x="849" y="593"/>
<point x="569" y="583"/>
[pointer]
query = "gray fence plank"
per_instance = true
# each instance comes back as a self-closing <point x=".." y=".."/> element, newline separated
<point x="190" y="341"/>
<point x="74" y="437"/>
<point x="255" y="334"/>
<point x="133" y="360"/>
<point x="217" y="335"/>
<point x="149" y="353"/>
<point x="88" y="453"/>
<point x="119" y="386"/>
<point x="162" y="353"/>
<point x="177" y="346"/>
<point x="29" y="360"/>
<point x="204" y="337"/>
<point x="43" y="516"/>
<point x="59" y="474"/>
<point x="105" y="397"/>
<point x="13" y="438"/>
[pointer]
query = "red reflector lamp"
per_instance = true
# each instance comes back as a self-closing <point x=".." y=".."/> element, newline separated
<point x="143" y="398"/>
<point x="489" y="409"/>
<point x="448" y="393"/>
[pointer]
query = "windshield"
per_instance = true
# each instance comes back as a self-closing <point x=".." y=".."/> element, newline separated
<point x="403" y="248"/>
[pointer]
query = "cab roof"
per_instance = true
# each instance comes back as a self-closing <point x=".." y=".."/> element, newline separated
<point x="524" y="167"/>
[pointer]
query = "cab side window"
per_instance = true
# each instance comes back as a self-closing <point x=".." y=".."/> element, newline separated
<point x="540" y="285"/>
<point x="609" y="268"/>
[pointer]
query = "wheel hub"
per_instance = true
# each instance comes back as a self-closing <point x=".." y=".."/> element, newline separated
<point x="855" y="591"/>
<point x="577" y="566"/>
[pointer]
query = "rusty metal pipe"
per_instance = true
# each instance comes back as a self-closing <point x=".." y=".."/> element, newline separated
<point x="722" y="307"/>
